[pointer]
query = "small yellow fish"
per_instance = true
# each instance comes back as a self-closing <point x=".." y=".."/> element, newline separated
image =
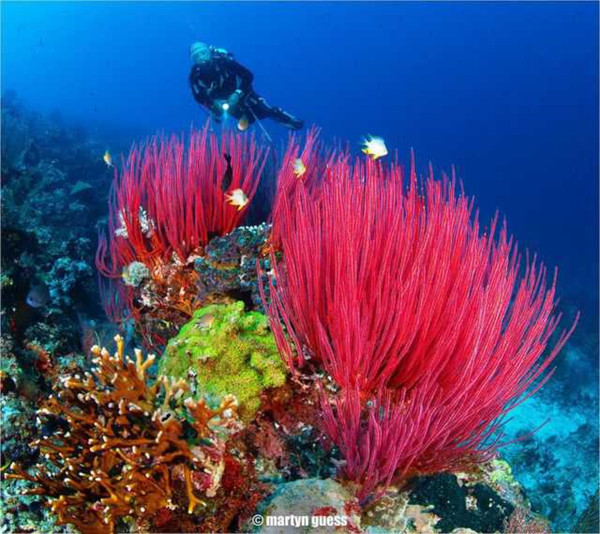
<point x="237" y="198"/>
<point x="125" y="275"/>
<point x="299" y="168"/>
<point x="107" y="158"/>
<point x="243" y="124"/>
<point x="206" y="321"/>
<point x="374" y="147"/>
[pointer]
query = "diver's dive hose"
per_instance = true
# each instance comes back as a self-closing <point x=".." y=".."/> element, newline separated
<point x="260" y="124"/>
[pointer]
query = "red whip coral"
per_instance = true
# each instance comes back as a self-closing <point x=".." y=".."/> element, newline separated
<point x="393" y="286"/>
<point x="313" y="164"/>
<point x="168" y="201"/>
<point x="171" y="198"/>
<point x="376" y="441"/>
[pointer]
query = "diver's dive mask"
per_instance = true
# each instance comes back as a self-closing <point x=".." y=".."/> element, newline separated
<point x="200" y="53"/>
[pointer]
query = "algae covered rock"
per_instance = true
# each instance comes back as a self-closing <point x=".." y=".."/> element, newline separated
<point x="225" y="350"/>
<point x="487" y="498"/>
<point x="227" y="269"/>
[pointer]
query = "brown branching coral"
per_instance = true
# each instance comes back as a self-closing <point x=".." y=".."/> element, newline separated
<point x="126" y="448"/>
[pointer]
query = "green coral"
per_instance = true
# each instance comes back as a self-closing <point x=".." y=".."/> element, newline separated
<point x="225" y="350"/>
<point x="502" y="473"/>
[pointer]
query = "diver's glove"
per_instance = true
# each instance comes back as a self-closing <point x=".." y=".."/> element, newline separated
<point x="235" y="98"/>
<point x="217" y="111"/>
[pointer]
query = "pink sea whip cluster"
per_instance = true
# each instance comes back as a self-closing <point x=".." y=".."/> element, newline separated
<point x="170" y="197"/>
<point x="431" y="328"/>
<point x="168" y="200"/>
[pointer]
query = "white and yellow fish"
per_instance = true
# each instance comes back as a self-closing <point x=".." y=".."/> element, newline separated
<point x="237" y="198"/>
<point x="205" y="322"/>
<point x="299" y="168"/>
<point x="126" y="275"/>
<point x="374" y="147"/>
<point x="108" y="159"/>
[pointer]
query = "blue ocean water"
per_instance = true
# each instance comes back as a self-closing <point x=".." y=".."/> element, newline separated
<point x="505" y="92"/>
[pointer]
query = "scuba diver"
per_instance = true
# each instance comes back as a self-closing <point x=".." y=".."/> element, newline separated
<point x="222" y="85"/>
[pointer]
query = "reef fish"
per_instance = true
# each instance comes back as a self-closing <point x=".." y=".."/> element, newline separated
<point x="38" y="296"/>
<point x="374" y="147"/>
<point x="228" y="175"/>
<point x="205" y="321"/>
<point x="299" y="168"/>
<point x="237" y="198"/>
<point x="107" y="159"/>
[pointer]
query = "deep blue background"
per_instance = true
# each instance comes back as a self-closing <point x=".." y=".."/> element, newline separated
<point x="506" y="92"/>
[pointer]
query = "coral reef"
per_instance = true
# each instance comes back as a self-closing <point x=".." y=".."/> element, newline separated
<point x="11" y="373"/>
<point x="20" y="512"/>
<point x="18" y="428"/>
<point x="135" y="273"/>
<point x="48" y="225"/>
<point x="520" y="521"/>
<point x="402" y="333"/>
<point x="395" y="513"/>
<point x="224" y="349"/>
<point x="475" y="507"/>
<point x="158" y="305"/>
<point x="66" y="277"/>
<point x="589" y="521"/>
<point x="41" y="160"/>
<point x="120" y="447"/>
<point x="225" y="272"/>
<point x="544" y="462"/>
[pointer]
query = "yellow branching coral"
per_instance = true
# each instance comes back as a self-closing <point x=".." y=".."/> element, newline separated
<point x="123" y="444"/>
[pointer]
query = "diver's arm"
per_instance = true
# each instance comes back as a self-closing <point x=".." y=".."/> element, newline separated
<point x="199" y="90"/>
<point x="245" y="76"/>
<point x="201" y="94"/>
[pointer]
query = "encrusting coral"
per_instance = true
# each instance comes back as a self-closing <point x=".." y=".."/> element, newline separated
<point x="224" y="349"/>
<point x="121" y="447"/>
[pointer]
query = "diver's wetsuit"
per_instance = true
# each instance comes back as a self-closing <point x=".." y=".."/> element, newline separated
<point x="214" y="81"/>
